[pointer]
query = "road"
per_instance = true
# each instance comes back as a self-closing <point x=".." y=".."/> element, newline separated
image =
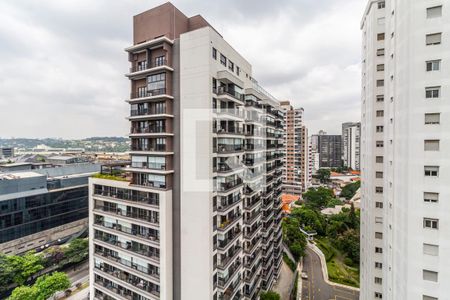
<point x="284" y="282"/>
<point x="315" y="287"/>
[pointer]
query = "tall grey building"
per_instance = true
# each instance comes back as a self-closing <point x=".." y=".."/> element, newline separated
<point x="405" y="232"/>
<point x="351" y="143"/>
<point x="329" y="149"/>
<point x="198" y="213"/>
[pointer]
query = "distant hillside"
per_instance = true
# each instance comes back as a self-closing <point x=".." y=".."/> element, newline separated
<point x="104" y="144"/>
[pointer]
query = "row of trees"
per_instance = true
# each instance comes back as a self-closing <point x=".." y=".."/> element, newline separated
<point x="342" y="229"/>
<point x="18" y="269"/>
<point x="44" y="287"/>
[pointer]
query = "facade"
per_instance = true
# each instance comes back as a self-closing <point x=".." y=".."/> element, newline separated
<point x="405" y="236"/>
<point x="329" y="149"/>
<point x="6" y="152"/>
<point x="198" y="216"/>
<point x="351" y="143"/>
<point x="296" y="176"/>
<point x="41" y="207"/>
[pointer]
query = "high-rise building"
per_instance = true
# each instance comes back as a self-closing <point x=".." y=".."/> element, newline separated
<point x="6" y="152"/>
<point x="43" y="206"/>
<point x="329" y="149"/>
<point x="296" y="176"/>
<point x="351" y="140"/>
<point x="198" y="214"/>
<point x="405" y="79"/>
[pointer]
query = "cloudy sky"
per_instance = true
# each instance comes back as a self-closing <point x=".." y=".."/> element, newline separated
<point x="62" y="61"/>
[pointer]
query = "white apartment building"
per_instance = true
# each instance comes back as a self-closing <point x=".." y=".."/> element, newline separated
<point x="405" y="229"/>
<point x="351" y="138"/>
<point x="198" y="215"/>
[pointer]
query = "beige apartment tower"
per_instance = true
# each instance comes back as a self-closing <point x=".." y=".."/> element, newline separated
<point x="198" y="213"/>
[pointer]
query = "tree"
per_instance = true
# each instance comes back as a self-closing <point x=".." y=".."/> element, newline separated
<point x="47" y="285"/>
<point x="77" y="251"/>
<point x="350" y="189"/>
<point x="5" y="272"/>
<point x="25" y="266"/>
<point x="353" y="219"/>
<point x="269" y="296"/>
<point x="348" y="242"/>
<point x="324" y="175"/>
<point x="24" y="293"/>
<point x="317" y="198"/>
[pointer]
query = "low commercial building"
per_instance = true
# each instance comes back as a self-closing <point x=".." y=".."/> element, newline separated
<point x="39" y="207"/>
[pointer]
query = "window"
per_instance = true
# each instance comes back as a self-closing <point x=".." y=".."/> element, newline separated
<point x="379" y="144"/>
<point x="379" y="159"/>
<point x="433" y="39"/>
<point x="380" y="67"/>
<point x="231" y="65"/>
<point x="432" y="118"/>
<point x="223" y="60"/>
<point x="379" y="204"/>
<point x="430" y="249"/>
<point x="156" y="84"/>
<point x="380" y="37"/>
<point x="430" y="275"/>
<point x="430" y="197"/>
<point x="430" y="223"/>
<point x="380" y="52"/>
<point x="379" y="220"/>
<point x="381" y="4"/>
<point x="434" y="12"/>
<point x="380" y="98"/>
<point x="378" y="295"/>
<point x="378" y="265"/>
<point x="380" y="83"/>
<point x="379" y="189"/>
<point x="378" y="250"/>
<point x="214" y="53"/>
<point x="141" y="65"/>
<point x="378" y="174"/>
<point x="433" y="65"/>
<point x="378" y="280"/>
<point x="432" y="171"/>
<point x="431" y="145"/>
<point x="432" y="92"/>
<point x="379" y="235"/>
<point x="380" y="113"/>
<point x="238" y="70"/>
<point x="379" y="129"/>
<point x="424" y="297"/>
<point x="160" y="61"/>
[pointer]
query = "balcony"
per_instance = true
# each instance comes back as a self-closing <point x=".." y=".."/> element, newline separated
<point x="129" y="265"/>
<point x="254" y="147"/>
<point x="130" y="246"/>
<point x="141" y="199"/>
<point x="223" y="187"/>
<point x="117" y="211"/>
<point x="229" y="131"/>
<point x="155" y="130"/>
<point x="228" y="149"/>
<point x="229" y="239"/>
<point x="143" y="68"/>
<point x="149" y="148"/>
<point x="249" y="247"/>
<point x="250" y="204"/>
<point x="232" y="270"/>
<point x="227" y="167"/>
<point x="229" y="112"/>
<point x="223" y="91"/>
<point x="250" y="232"/>
<point x="253" y="103"/>
<point x="231" y="255"/>
<point x="128" y="279"/>
<point x="229" y="222"/>
<point x="148" y="95"/>
<point x="227" y="203"/>
<point x="251" y="218"/>
<point x="143" y="234"/>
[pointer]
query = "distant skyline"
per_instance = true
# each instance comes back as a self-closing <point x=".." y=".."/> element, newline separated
<point x="63" y="61"/>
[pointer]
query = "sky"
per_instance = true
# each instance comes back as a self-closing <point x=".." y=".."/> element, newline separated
<point x="62" y="62"/>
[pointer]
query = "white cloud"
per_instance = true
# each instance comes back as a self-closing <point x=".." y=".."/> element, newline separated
<point x="62" y="62"/>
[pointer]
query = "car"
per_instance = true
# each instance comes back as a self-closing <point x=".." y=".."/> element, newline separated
<point x="304" y="276"/>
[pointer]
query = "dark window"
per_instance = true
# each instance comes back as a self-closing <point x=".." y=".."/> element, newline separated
<point x="214" y="53"/>
<point x="223" y="60"/>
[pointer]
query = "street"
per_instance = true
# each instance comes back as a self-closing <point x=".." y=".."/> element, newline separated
<point x="315" y="288"/>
